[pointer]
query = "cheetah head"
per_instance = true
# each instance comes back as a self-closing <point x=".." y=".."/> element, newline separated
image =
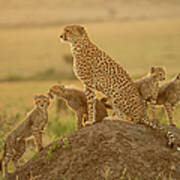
<point x="56" y="91"/>
<point x="73" y="33"/>
<point x="159" y="73"/>
<point x="42" y="101"/>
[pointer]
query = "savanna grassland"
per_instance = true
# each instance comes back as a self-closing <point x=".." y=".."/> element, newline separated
<point x="37" y="53"/>
<point x="30" y="51"/>
<point x="32" y="58"/>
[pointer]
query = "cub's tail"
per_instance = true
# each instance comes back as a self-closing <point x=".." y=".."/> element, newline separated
<point x="104" y="100"/>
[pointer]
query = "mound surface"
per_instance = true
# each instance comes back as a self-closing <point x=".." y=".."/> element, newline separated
<point x="109" y="150"/>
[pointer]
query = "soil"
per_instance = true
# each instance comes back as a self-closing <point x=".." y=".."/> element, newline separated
<point x="110" y="150"/>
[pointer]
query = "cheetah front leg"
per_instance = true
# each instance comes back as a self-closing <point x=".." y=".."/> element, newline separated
<point x="80" y="116"/>
<point x="38" y="138"/>
<point x="169" y="109"/>
<point x="91" y="104"/>
<point x="20" y="149"/>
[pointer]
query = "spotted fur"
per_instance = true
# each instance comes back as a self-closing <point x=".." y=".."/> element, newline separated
<point x="33" y="125"/>
<point x="148" y="86"/>
<point x="169" y="96"/>
<point x="99" y="72"/>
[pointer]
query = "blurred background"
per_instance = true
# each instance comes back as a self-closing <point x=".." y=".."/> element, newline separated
<point x="137" y="33"/>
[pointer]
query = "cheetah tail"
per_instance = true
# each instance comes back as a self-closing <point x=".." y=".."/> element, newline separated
<point x="171" y="139"/>
<point x="169" y="135"/>
<point x="104" y="101"/>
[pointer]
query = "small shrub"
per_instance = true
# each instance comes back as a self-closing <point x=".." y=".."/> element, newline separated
<point x="60" y="126"/>
<point x="66" y="142"/>
<point x="36" y="155"/>
<point x="51" y="149"/>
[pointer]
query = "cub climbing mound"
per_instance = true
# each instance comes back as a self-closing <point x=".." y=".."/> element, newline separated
<point x="107" y="150"/>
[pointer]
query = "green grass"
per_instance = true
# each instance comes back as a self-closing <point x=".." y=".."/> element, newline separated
<point x="61" y="125"/>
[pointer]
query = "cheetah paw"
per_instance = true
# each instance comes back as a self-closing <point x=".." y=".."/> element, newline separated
<point x="88" y="123"/>
<point x="173" y="125"/>
<point x="111" y="118"/>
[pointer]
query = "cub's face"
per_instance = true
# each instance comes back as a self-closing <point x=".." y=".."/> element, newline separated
<point x="73" y="33"/>
<point x="159" y="73"/>
<point x="56" y="91"/>
<point x="42" y="101"/>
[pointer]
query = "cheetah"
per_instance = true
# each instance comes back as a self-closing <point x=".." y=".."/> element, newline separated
<point x="169" y="96"/>
<point x="148" y="86"/>
<point x="76" y="100"/>
<point x="99" y="72"/>
<point x="33" y="125"/>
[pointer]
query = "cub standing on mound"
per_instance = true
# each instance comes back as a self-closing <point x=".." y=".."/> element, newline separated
<point x="100" y="72"/>
<point x="33" y="125"/>
<point x="148" y="86"/>
<point x="169" y="96"/>
<point x="76" y="100"/>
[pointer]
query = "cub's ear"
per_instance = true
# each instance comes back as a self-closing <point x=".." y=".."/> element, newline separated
<point x="61" y="86"/>
<point x="81" y="30"/>
<point x="35" y="97"/>
<point x="178" y="76"/>
<point x="152" y="69"/>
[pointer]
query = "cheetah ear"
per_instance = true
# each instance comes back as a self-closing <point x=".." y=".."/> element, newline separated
<point x="62" y="86"/>
<point x="81" y="30"/>
<point x="35" y="97"/>
<point x="178" y="76"/>
<point x="152" y="69"/>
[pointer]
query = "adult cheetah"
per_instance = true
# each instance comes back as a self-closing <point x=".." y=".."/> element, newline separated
<point x="100" y="72"/>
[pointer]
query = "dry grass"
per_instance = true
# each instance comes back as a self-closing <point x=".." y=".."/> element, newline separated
<point x="136" y="45"/>
<point x="45" y="12"/>
<point x="34" y="52"/>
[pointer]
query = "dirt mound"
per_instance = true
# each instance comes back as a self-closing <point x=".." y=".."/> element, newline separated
<point x="109" y="150"/>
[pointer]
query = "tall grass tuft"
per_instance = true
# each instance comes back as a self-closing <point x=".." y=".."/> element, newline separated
<point x="60" y="126"/>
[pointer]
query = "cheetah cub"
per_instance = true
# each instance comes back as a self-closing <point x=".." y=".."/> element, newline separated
<point x="148" y="86"/>
<point x="169" y="96"/>
<point x="33" y="125"/>
<point x="99" y="72"/>
<point x="76" y="100"/>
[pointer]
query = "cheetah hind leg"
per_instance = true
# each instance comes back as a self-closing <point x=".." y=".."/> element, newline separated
<point x="170" y="110"/>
